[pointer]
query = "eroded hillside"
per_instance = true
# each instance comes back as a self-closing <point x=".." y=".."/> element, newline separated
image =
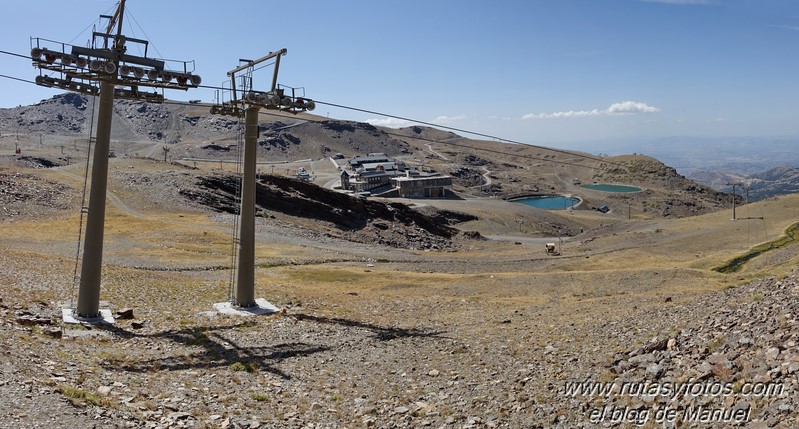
<point x="336" y="214"/>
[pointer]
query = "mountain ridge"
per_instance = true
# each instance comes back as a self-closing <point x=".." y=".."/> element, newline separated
<point x="480" y="168"/>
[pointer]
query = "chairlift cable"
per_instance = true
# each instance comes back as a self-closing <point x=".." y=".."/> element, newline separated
<point x="16" y="78"/>
<point x="239" y="177"/>
<point x="499" y="139"/>
<point x="128" y="14"/>
<point x="492" y="137"/>
<point x="460" y="130"/>
<point x="494" y="151"/>
<point x="92" y="25"/>
<point x="27" y="57"/>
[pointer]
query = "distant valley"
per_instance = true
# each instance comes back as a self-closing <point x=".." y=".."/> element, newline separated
<point x="755" y="187"/>
<point x="763" y="166"/>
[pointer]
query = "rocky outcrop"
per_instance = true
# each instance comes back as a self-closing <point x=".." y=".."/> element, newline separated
<point x="27" y="196"/>
<point x="366" y="221"/>
<point x="734" y="362"/>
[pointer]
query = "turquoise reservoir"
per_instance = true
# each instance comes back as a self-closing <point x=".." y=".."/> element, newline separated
<point x="549" y="203"/>
<point x="612" y="188"/>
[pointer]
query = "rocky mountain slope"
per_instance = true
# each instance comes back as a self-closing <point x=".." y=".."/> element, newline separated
<point x="191" y="131"/>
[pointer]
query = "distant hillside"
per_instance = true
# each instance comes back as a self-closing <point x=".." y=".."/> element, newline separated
<point x="715" y="179"/>
<point x="666" y="192"/>
<point x="191" y="131"/>
<point x="736" y="155"/>
<point x="776" y="181"/>
<point x="479" y="168"/>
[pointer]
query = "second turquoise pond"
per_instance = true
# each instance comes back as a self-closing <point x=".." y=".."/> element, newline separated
<point x="558" y="202"/>
<point x="605" y="187"/>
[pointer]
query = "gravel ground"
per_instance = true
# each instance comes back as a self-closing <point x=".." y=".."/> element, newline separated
<point x="396" y="362"/>
<point x="459" y="356"/>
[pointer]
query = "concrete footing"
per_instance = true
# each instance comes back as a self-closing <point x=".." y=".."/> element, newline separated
<point x="261" y="306"/>
<point x="70" y="316"/>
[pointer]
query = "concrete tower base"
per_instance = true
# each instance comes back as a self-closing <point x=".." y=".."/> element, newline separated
<point x="261" y="306"/>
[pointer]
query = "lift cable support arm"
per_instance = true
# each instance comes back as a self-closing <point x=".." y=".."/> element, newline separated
<point x="276" y="98"/>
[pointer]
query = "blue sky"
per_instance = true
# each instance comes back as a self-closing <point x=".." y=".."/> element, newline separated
<point x="553" y="72"/>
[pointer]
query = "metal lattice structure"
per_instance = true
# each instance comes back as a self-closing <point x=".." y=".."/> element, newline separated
<point x="80" y="69"/>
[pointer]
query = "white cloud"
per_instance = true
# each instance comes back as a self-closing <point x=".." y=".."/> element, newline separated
<point x="615" y="109"/>
<point x="629" y="107"/>
<point x="560" y="115"/>
<point x="401" y="123"/>
<point x="390" y="122"/>
<point x="441" y="120"/>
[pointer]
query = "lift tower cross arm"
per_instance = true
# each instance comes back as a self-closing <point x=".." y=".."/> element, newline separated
<point x="278" y="97"/>
<point x="249" y="64"/>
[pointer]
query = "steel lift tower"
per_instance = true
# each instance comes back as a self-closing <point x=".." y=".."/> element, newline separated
<point x="107" y="71"/>
<point x="248" y="106"/>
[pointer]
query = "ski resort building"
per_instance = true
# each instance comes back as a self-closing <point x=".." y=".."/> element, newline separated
<point x="378" y="174"/>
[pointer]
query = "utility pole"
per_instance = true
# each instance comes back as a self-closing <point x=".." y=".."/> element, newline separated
<point x="81" y="69"/>
<point x="734" y="195"/>
<point x="166" y="151"/>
